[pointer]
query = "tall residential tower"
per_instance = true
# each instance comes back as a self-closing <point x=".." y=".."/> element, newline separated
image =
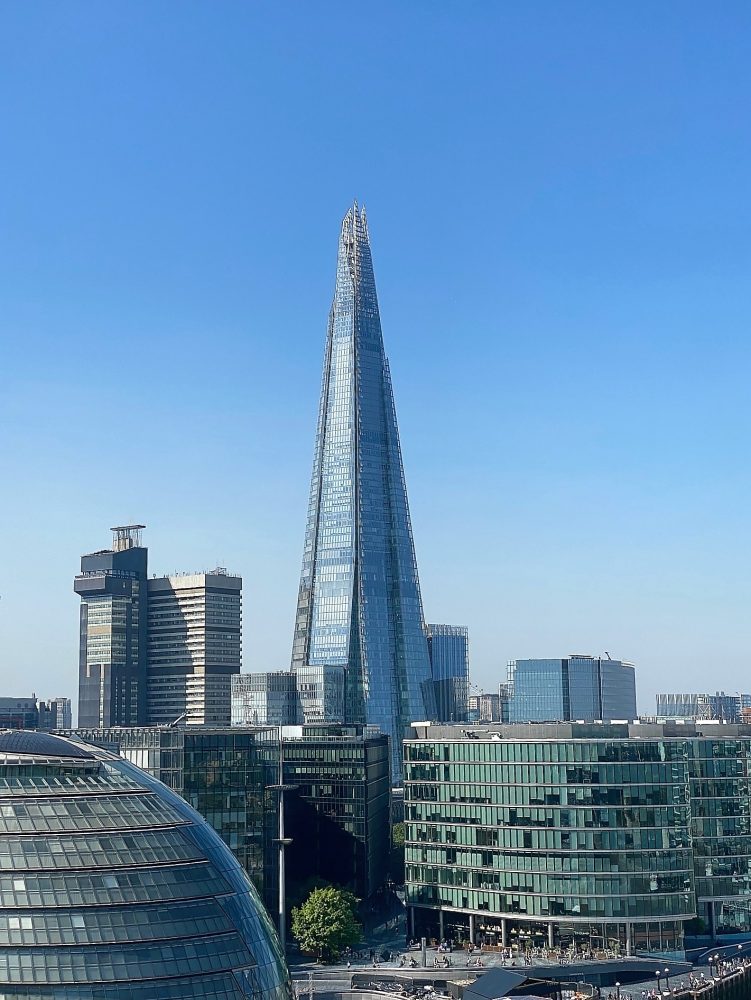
<point x="194" y="647"/>
<point x="359" y="603"/>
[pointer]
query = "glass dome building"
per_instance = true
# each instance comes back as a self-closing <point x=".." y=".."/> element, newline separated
<point x="113" y="888"/>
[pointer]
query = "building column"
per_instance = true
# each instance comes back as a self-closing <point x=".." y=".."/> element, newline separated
<point x="472" y="928"/>
<point x="411" y="922"/>
<point x="440" y="924"/>
<point x="629" y="945"/>
<point x="504" y="933"/>
<point x="551" y="935"/>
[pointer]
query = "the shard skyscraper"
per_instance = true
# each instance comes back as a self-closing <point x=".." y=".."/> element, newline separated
<point x="359" y="606"/>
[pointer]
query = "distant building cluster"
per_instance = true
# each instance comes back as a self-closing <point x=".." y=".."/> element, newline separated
<point x="156" y="651"/>
<point x="721" y="706"/>
<point x="33" y="713"/>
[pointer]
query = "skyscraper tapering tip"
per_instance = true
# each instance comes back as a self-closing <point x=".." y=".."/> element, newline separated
<point x="356" y="217"/>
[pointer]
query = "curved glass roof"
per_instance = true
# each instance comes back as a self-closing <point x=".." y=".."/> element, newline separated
<point x="125" y="894"/>
<point x="27" y="741"/>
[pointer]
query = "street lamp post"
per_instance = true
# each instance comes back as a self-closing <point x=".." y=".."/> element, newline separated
<point x="657" y="974"/>
<point x="617" y="991"/>
<point x="667" y="980"/>
<point x="283" y="842"/>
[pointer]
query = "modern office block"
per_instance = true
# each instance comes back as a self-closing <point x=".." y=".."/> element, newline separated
<point x="593" y="835"/>
<point x="359" y="604"/>
<point x="56" y="713"/>
<point x="194" y="647"/>
<point x="448" y="649"/>
<point x="337" y="812"/>
<point x="19" y="713"/>
<point x="112" y="886"/>
<point x="265" y="699"/>
<point x="583" y="688"/>
<point x="113" y="623"/>
<point x="725" y="707"/>
<point x="322" y="693"/>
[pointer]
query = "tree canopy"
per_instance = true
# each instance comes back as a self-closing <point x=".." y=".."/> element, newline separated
<point x="396" y="855"/>
<point x="325" y="924"/>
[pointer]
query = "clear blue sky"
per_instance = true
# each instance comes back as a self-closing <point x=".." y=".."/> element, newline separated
<point x="558" y="197"/>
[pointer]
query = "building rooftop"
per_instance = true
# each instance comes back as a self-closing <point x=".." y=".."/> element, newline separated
<point x="556" y="731"/>
<point x="30" y="743"/>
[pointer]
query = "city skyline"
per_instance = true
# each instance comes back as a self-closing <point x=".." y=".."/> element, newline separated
<point x="560" y="207"/>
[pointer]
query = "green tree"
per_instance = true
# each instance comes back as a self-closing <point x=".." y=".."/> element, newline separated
<point x="325" y="924"/>
<point x="396" y="855"/>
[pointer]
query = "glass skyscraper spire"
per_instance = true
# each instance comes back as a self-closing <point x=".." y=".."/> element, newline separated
<point x="359" y="604"/>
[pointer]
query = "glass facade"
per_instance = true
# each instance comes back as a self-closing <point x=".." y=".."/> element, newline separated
<point x="265" y="699"/>
<point x="112" y="887"/>
<point x="337" y="810"/>
<point x="359" y="602"/>
<point x="448" y="649"/>
<point x="721" y="829"/>
<point x="615" y="834"/>
<point x="583" y="688"/>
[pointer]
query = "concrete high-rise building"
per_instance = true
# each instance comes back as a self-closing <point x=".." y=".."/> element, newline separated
<point x="194" y="647"/>
<point x="265" y="699"/>
<point x="55" y="714"/>
<point x="359" y="604"/>
<point x="583" y="688"/>
<point x="112" y="650"/>
<point x="448" y="648"/>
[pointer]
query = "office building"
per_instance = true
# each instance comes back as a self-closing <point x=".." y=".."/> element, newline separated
<point x="56" y="713"/>
<point x="448" y="650"/>
<point x="726" y="707"/>
<point x="194" y="647"/>
<point x="359" y="604"/>
<point x="488" y="706"/>
<point x="265" y="699"/>
<point x="579" y="688"/>
<point x="113" y="636"/>
<point x="321" y="693"/>
<point x="337" y="808"/>
<point x="600" y="835"/>
<point x="19" y="713"/>
<point x="112" y="886"/>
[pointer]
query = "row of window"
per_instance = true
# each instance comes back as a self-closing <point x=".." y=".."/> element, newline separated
<point x="81" y="851"/>
<point x="613" y="907"/>
<point x="127" y="963"/>
<point x="558" y="884"/>
<point x="616" y="863"/>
